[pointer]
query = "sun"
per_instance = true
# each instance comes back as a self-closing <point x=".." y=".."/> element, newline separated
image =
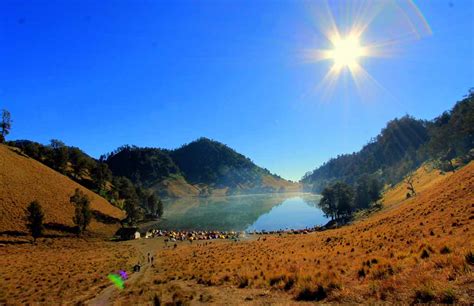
<point x="346" y="51"/>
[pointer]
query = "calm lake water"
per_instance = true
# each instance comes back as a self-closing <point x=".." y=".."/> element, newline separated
<point x="246" y="212"/>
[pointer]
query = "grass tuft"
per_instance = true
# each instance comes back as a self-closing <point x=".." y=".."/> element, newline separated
<point x="308" y="294"/>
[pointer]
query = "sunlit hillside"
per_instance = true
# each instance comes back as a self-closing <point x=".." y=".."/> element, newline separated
<point x="417" y="251"/>
<point x="24" y="180"/>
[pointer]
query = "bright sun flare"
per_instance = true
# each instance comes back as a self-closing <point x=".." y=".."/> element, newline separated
<point x="346" y="51"/>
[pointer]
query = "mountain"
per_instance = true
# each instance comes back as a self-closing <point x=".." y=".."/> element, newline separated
<point x="23" y="180"/>
<point x="201" y="168"/>
<point x="402" y="146"/>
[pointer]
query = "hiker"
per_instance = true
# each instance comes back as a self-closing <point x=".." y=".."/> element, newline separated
<point x="148" y="257"/>
<point x="152" y="258"/>
<point x="136" y="268"/>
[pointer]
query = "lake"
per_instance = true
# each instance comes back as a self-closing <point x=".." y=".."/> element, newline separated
<point x="243" y="213"/>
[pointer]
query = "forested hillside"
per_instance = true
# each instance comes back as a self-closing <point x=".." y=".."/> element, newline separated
<point x="402" y="146"/>
<point x="138" y="202"/>
<point x="210" y="162"/>
<point x="201" y="168"/>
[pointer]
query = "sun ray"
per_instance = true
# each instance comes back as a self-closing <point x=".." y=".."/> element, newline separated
<point x="348" y="47"/>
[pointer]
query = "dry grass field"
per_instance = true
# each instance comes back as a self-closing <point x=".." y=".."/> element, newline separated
<point x="59" y="271"/>
<point x="23" y="180"/>
<point x="417" y="250"/>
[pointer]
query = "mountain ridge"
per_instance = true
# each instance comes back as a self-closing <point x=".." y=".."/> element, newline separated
<point x="203" y="167"/>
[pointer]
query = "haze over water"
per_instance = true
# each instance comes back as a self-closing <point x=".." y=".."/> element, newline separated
<point x="248" y="212"/>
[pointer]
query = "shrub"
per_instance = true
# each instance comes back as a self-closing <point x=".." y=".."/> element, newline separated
<point x="445" y="250"/>
<point x="448" y="297"/>
<point x="243" y="282"/>
<point x="308" y="294"/>
<point x="290" y="282"/>
<point x="424" y="295"/>
<point x="470" y="258"/>
<point x="425" y="254"/>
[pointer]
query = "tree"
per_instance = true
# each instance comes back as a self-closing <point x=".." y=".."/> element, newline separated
<point x="152" y="204"/>
<point x="59" y="158"/>
<point x="337" y="200"/>
<point x="35" y="219"/>
<point x="79" y="162"/>
<point x="362" y="197"/>
<point x="155" y="206"/>
<point x="328" y="202"/>
<point x="5" y="125"/>
<point x="411" y="188"/>
<point x="345" y="198"/>
<point x="132" y="208"/>
<point x="124" y="187"/>
<point x="100" y="175"/>
<point x="159" y="209"/>
<point x="374" y="190"/>
<point x="82" y="214"/>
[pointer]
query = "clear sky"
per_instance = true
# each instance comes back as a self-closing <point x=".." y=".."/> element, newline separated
<point x="100" y="74"/>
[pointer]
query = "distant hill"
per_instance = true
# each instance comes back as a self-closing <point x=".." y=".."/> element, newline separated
<point x="201" y="168"/>
<point x="23" y="180"/>
<point x="402" y="146"/>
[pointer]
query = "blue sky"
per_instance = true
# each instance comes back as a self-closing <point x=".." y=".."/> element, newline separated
<point x="100" y="74"/>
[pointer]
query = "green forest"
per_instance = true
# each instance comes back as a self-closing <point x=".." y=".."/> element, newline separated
<point x="203" y="161"/>
<point x="402" y="146"/>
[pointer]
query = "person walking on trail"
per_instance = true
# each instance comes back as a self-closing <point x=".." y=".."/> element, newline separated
<point x="152" y="258"/>
<point x="148" y="257"/>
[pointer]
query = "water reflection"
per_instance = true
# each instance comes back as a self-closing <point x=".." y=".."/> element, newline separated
<point x="248" y="212"/>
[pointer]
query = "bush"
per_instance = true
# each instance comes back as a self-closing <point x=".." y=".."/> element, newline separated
<point x="243" y="282"/>
<point x="445" y="250"/>
<point x="425" y="254"/>
<point x="424" y="295"/>
<point x="470" y="258"/>
<point x="449" y="297"/>
<point x="307" y="294"/>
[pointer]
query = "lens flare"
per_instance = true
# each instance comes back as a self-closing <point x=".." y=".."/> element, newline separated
<point x="117" y="280"/>
<point x="367" y="29"/>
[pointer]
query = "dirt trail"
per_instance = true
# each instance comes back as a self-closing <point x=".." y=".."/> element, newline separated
<point x="184" y="290"/>
<point x="144" y="247"/>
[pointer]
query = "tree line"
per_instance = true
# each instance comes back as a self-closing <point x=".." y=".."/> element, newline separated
<point x="402" y="146"/>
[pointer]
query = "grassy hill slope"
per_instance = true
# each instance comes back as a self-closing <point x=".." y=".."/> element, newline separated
<point x="23" y="179"/>
<point x="414" y="250"/>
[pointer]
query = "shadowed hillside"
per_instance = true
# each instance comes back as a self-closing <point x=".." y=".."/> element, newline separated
<point x="23" y="180"/>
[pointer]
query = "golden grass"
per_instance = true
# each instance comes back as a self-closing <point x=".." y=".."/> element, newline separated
<point x="23" y="180"/>
<point x="56" y="271"/>
<point x="395" y="255"/>
<point x="424" y="178"/>
<point x="273" y="182"/>
<point x="412" y="251"/>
